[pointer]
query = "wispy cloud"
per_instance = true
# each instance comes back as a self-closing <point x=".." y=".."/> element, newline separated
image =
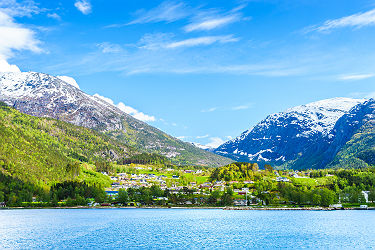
<point x="241" y="107"/>
<point x="200" y="19"/>
<point x="165" y="12"/>
<point x="209" y="23"/>
<point x="354" y="77"/>
<point x="209" y="110"/>
<point x="127" y="109"/>
<point x="358" y="20"/>
<point x="14" y="8"/>
<point x="202" y="136"/>
<point x="205" y="40"/>
<point x="54" y="16"/>
<point x="107" y="47"/>
<point x="83" y="6"/>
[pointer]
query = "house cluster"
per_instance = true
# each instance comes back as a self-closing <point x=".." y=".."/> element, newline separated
<point x="125" y="181"/>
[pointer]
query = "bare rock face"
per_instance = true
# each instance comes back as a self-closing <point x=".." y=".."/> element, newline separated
<point x="43" y="95"/>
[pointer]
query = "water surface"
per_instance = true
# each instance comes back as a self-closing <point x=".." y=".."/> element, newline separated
<point x="185" y="228"/>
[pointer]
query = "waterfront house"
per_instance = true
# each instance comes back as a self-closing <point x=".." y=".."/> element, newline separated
<point x="365" y="194"/>
<point x="239" y="202"/>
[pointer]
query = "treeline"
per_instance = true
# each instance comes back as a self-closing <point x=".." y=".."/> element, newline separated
<point x="235" y="171"/>
<point x="339" y="185"/>
<point x="15" y="192"/>
<point x="145" y="158"/>
<point x="156" y="196"/>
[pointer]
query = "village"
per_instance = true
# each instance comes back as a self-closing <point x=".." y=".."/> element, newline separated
<point x="197" y="188"/>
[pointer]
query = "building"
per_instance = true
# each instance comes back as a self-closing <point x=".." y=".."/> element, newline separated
<point x="365" y="194"/>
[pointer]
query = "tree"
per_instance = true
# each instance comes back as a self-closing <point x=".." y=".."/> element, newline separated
<point x="123" y="196"/>
<point x="80" y="200"/>
<point x="227" y="197"/>
<point x="316" y="199"/>
<point x="328" y="197"/>
<point x="371" y="195"/>
<point x="100" y="197"/>
<point x="55" y="201"/>
<point x="12" y="200"/>
<point x="214" y="196"/>
<point x="269" y="168"/>
<point x="1" y="196"/>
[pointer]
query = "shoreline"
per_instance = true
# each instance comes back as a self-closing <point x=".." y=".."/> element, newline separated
<point x="219" y="208"/>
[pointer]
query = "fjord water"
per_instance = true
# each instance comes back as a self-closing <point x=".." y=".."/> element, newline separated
<point x="185" y="228"/>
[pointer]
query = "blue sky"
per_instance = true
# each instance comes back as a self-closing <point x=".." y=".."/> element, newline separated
<point x="203" y="71"/>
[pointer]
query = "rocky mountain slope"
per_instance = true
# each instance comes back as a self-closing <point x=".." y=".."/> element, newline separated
<point x="294" y="138"/>
<point x="353" y="143"/>
<point x="43" y="95"/>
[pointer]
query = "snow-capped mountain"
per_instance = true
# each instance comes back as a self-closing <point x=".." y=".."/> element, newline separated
<point x="44" y="95"/>
<point x="284" y="136"/>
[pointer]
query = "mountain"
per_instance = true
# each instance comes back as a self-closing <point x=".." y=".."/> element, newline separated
<point x="43" y="95"/>
<point x="288" y="137"/>
<point x="46" y="150"/>
<point x="353" y="143"/>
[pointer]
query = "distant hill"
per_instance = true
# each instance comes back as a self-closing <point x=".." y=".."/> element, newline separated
<point x="43" y="95"/>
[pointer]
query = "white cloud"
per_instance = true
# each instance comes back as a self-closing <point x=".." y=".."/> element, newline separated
<point x="241" y="107"/>
<point x="358" y="20"/>
<point x="6" y="67"/>
<point x="129" y="110"/>
<point x="209" y="110"/>
<point x="15" y="37"/>
<point x="166" y="11"/>
<point x="354" y="77"/>
<point x="107" y="47"/>
<point x="13" y="8"/>
<point x="69" y="80"/>
<point x="211" y="23"/>
<point x="205" y="40"/>
<point x="106" y="99"/>
<point x="215" y="142"/>
<point x="202" y="136"/>
<point x="54" y="16"/>
<point x="135" y="113"/>
<point x="83" y="6"/>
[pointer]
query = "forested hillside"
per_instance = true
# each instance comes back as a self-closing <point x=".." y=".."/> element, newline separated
<point x="46" y="150"/>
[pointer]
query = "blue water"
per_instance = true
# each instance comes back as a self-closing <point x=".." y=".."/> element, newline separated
<point x="185" y="228"/>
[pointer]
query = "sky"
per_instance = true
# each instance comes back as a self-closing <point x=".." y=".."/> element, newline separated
<point x="202" y="71"/>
